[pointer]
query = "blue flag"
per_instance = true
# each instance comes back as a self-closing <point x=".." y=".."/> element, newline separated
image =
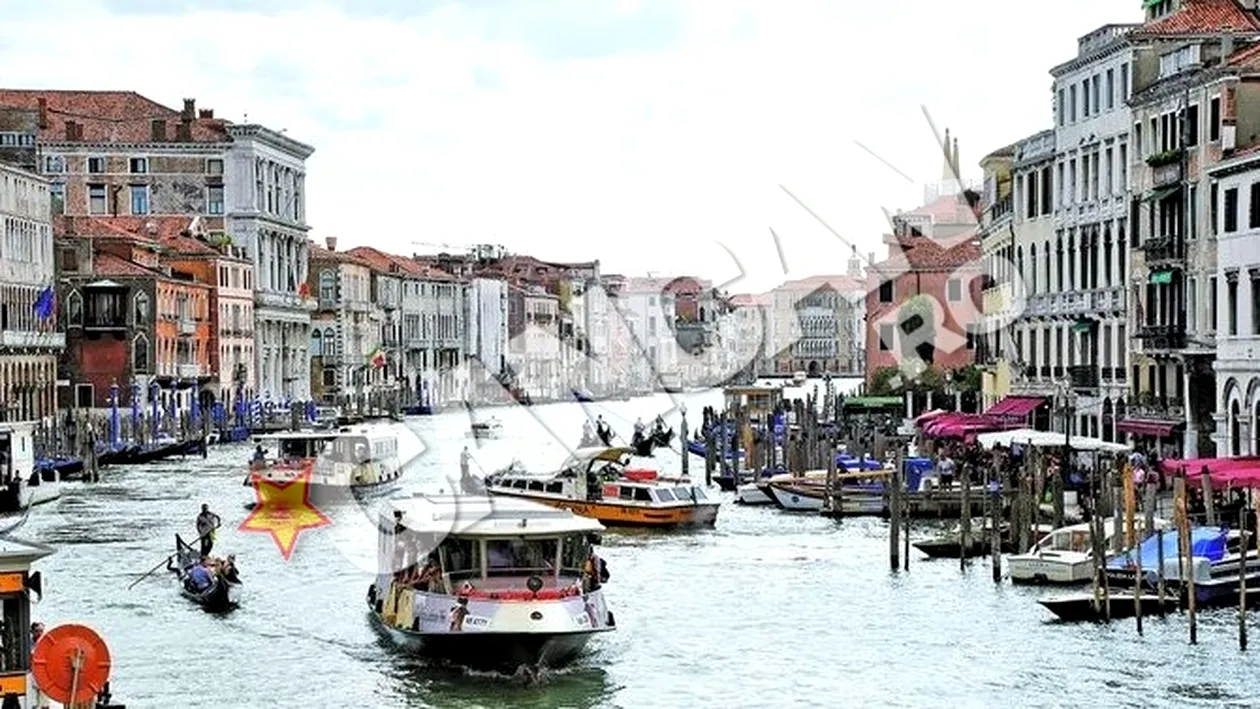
<point x="44" y="304"/>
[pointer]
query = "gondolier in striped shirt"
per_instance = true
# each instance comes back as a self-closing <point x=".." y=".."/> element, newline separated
<point x="207" y="522"/>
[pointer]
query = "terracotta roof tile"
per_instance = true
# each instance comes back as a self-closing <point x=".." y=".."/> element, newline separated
<point x="107" y="264"/>
<point x="840" y="284"/>
<point x="1198" y="17"/>
<point x="319" y="253"/>
<point x="109" y="116"/>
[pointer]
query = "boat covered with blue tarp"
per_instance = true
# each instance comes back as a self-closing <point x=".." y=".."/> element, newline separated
<point x="1208" y="543"/>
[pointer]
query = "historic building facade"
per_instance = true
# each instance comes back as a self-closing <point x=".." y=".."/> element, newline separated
<point x="30" y="343"/>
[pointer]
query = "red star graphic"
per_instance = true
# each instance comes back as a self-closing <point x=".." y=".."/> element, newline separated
<point x="283" y="510"/>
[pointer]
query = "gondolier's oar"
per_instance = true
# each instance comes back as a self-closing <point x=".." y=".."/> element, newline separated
<point x="166" y="561"/>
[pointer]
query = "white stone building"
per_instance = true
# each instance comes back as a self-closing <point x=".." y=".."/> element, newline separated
<point x="265" y="194"/>
<point x="29" y="344"/>
<point x="1080" y="302"/>
<point x="346" y="329"/>
<point x="647" y="314"/>
<point x="486" y="330"/>
<point x="1237" y="362"/>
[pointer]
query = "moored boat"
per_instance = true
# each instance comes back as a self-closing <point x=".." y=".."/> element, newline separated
<point x="221" y="593"/>
<point x="1064" y="556"/>
<point x="490" y="428"/>
<point x="1078" y="607"/>
<point x="950" y="546"/>
<point x="490" y="583"/>
<point x="592" y="482"/>
<point x="338" y="462"/>
<point x="1216" y="560"/>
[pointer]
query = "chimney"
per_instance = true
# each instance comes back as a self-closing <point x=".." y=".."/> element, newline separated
<point x="947" y="167"/>
<point x="71" y="130"/>
<point x="206" y="113"/>
<point x="331" y="241"/>
<point x="183" y="131"/>
<point x="190" y="109"/>
<point x="43" y="113"/>
<point x="159" y="130"/>
<point x="957" y="165"/>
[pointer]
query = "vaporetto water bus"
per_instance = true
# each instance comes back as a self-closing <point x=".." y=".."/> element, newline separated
<point x="341" y="460"/>
<point x="489" y="583"/>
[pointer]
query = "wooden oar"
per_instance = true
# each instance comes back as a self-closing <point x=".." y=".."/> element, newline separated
<point x="165" y="561"/>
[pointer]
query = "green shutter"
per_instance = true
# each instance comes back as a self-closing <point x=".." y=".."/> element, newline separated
<point x="1162" y="277"/>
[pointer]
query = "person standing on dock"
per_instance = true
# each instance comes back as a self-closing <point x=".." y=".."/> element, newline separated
<point x="207" y="522"/>
<point x="945" y="470"/>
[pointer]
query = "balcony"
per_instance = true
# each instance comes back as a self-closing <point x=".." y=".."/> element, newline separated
<point x="1084" y="377"/>
<point x="1162" y="337"/>
<point x="187" y="371"/>
<point x="1164" y="249"/>
<point x="1076" y="303"/>
<point x="187" y="326"/>
<point x="23" y="338"/>
<point x="1150" y="406"/>
<point x="1166" y="174"/>
<point x="283" y="301"/>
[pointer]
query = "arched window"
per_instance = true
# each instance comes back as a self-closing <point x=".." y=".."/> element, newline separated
<point x="317" y="343"/>
<point x="327" y="287"/>
<point x="142" y="308"/>
<point x="140" y="354"/>
<point x="1235" y="429"/>
<point x="1032" y="258"/>
<point x="330" y="342"/>
<point x="74" y="309"/>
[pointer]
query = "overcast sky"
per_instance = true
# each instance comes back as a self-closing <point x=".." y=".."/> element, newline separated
<point x="640" y="133"/>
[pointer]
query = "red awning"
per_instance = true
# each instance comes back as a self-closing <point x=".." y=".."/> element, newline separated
<point x="1015" y="406"/>
<point x="1147" y="427"/>
<point x="1193" y="467"/>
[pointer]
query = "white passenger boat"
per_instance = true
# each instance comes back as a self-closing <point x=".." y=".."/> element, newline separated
<point x="21" y="487"/>
<point x="338" y="460"/>
<point x="1065" y="555"/>
<point x="490" y="583"/>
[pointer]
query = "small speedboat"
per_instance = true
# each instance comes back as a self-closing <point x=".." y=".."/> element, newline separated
<point x="490" y="428"/>
<point x="1079" y="607"/>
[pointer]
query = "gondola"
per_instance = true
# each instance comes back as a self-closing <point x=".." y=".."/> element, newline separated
<point x="117" y="456"/>
<point x="644" y="445"/>
<point x="59" y="468"/>
<point x="223" y="592"/>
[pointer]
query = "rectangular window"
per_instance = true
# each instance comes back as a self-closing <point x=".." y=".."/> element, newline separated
<point x="57" y="197"/>
<point x="954" y="290"/>
<point x="1214" y="119"/>
<point x="1124" y="82"/>
<point x="1085" y="98"/>
<point x="1192" y="224"/>
<point x="96" y="166"/>
<point x="1062" y="107"/>
<point x="1047" y="191"/>
<point x="1231" y="303"/>
<point x="214" y="199"/>
<point x="139" y="199"/>
<point x="54" y="164"/>
<point x="1214" y="208"/>
<point x="1192" y="125"/>
<point x="96" y="200"/>
<point x="885" y="337"/>
<point x="1253" y="207"/>
<point x="1097" y="88"/>
<point x="1111" y="89"/>
<point x="139" y="166"/>
<point x="1255" y="302"/>
<point x="1124" y="169"/>
<point x="886" y="292"/>
<point x="214" y="166"/>
<point x="1231" y="210"/>
<point x="1072" y="103"/>
<point x="1212" y="297"/>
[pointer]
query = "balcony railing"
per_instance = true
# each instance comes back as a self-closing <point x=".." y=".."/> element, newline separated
<point x="1073" y="303"/>
<point x="1084" y="377"/>
<point x="187" y="326"/>
<point x="1162" y="337"/>
<point x="1166" y="174"/>
<point x="1151" y="406"/>
<point x="104" y="321"/>
<point x="23" y="338"/>
<point x="1164" y="249"/>
<point x="187" y="371"/>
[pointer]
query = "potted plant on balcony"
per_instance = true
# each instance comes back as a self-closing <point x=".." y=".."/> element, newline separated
<point x="1167" y="157"/>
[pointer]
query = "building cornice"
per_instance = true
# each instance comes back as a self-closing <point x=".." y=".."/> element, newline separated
<point x="1235" y="165"/>
<point x="1103" y="51"/>
<point x="86" y="146"/>
<point x="274" y="138"/>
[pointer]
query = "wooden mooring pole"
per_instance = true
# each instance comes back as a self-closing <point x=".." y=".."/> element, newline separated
<point x="995" y="521"/>
<point x="894" y="514"/>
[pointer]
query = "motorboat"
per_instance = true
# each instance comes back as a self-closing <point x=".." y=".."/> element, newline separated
<point x="491" y="583"/>
<point x="950" y="544"/>
<point x="22" y="485"/>
<point x="598" y="482"/>
<point x="1118" y="605"/>
<point x="808" y="492"/>
<point x="336" y="462"/>
<point x="1216" y="556"/>
<point x="1064" y="556"/>
<point x="490" y="428"/>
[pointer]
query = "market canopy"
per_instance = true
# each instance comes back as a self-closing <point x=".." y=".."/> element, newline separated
<point x="1222" y="472"/>
<point x="1047" y="439"/>
<point x="1015" y="406"/>
<point x="960" y="425"/>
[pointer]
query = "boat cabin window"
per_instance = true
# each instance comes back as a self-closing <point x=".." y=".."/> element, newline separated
<point x="625" y="493"/>
<point x="556" y="487"/>
<point x="515" y="557"/>
<point x="355" y="450"/>
<point x="15" y="655"/>
<point x="519" y="484"/>
<point x="1066" y="540"/>
<point x="536" y="485"/>
<point x="576" y="549"/>
<point x="687" y="494"/>
<point x="300" y="447"/>
<point x="461" y="559"/>
<point x="664" y="495"/>
<point x="6" y="458"/>
<point x="642" y="494"/>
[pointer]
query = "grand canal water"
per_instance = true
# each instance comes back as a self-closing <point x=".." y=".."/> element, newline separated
<point x="767" y="610"/>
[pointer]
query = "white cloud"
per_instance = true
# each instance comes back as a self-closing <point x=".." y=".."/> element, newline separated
<point x="468" y="125"/>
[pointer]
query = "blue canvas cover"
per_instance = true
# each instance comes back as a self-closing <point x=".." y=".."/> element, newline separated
<point x="1205" y="542"/>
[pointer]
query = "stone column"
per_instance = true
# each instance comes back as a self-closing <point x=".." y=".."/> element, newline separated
<point x="1190" y="443"/>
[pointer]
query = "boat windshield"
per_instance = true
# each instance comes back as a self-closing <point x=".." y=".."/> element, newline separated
<point x="461" y="559"/>
<point x="1075" y="540"/>
<point x="521" y="557"/>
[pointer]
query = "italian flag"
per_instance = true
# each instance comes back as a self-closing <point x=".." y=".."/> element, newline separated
<point x="377" y="358"/>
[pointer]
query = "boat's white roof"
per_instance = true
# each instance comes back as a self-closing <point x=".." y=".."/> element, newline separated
<point x="324" y="435"/>
<point x="480" y="516"/>
<point x="17" y="552"/>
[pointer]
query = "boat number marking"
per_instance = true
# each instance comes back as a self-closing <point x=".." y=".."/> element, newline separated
<point x="583" y="620"/>
<point x="476" y="621"/>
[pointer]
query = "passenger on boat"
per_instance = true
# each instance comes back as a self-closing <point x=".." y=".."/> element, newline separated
<point x="199" y="577"/>
<point x="603" y="430"/>
<point x="588" y="433"/>
<point x="594" y="572"/>
<point x="639" y="427"/>
<point x="260" y="455"/>
<point x="430" y="575"/>
<point x="658" y="426"/>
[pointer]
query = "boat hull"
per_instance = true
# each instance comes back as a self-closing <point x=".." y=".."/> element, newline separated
<point x="1047" y="569"/>
<point x="492" y="652"/>
<point x="796" y="500"/>
<point x="222" y="597"/>
<point x="753" y="494"/>
<point x="615" y="515"/>
<point x="1080" y="607"/>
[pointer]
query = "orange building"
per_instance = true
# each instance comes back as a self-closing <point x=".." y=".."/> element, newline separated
<point x="130" y="319"/>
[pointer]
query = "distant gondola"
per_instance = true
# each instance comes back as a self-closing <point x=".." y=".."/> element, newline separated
<point x="644" y="445"/>
<point x="221" y="596"/>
